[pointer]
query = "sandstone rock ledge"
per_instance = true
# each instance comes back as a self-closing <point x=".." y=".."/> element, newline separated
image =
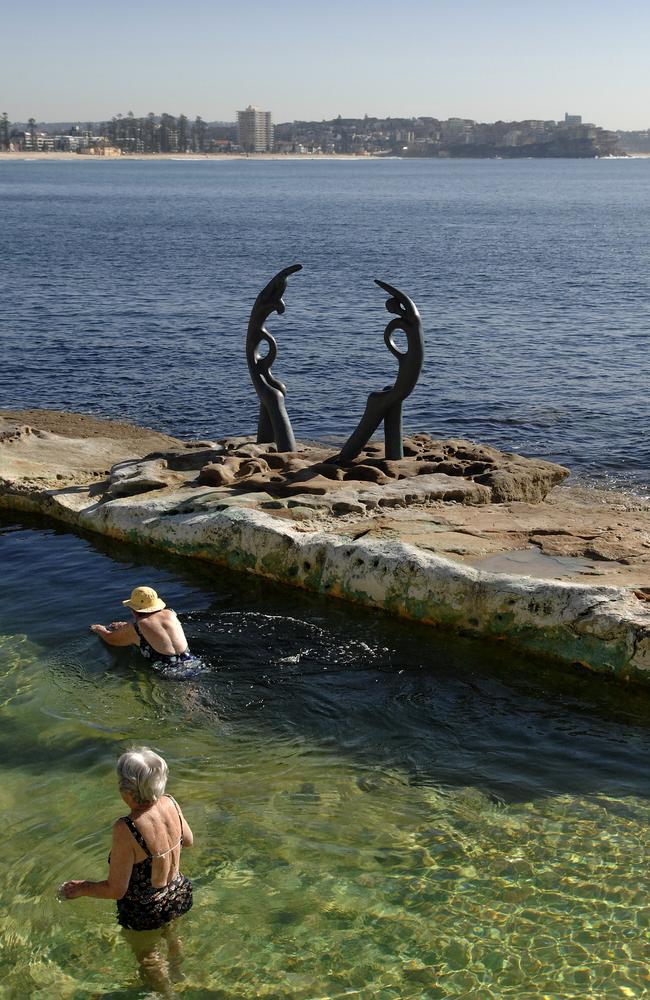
<point x="382" y="537"/>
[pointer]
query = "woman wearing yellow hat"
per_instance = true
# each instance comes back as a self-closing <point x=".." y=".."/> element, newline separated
<point x="156" y="630"/>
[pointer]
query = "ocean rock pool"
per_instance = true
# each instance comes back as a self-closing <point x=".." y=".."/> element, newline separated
<point x="379" y="810"/>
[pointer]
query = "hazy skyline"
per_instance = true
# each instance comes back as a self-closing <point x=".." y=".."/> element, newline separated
<point x="448" y="58"/>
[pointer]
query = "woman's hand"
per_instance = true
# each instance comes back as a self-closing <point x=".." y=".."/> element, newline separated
<point x="119" y="634"/>
<point x="119" y="873"/>
<point x="72" y="889"/>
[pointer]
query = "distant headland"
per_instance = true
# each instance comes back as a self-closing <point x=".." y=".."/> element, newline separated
<point x="254" y="133"/>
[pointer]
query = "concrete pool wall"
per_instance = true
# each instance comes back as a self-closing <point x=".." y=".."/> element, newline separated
<point x="605" y="629"/>
<point x="301" y="542"/>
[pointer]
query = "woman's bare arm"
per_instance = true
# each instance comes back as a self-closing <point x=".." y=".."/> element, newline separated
<point x="186" y="830"/>
<point x="119" y="872"/>
<point x="126" y="635"/>
<point x="188" y="836"/>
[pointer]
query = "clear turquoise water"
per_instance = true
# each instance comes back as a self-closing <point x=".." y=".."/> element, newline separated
<point x="379" y="811"/>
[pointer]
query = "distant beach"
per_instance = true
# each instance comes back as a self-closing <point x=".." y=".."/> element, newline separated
<point x="148" y="157"/>
<point x="56" y="157"/>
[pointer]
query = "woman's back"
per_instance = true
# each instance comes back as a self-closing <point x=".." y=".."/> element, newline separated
<point x="163" y="631"/>
<point x="161" y="829"/>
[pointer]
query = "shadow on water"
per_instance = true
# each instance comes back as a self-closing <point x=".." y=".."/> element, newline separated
<point x="287" y="665"/>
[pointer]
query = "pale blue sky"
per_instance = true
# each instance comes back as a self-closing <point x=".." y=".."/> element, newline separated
<point x="509" y="59"/>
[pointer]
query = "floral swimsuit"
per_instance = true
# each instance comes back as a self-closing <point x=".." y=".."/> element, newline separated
<point x="174" y="665"/>
<point x="145" y="907"/>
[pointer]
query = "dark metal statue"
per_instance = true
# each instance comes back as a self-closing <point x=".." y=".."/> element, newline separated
<point x="274" y="423"/>
<point x="386" y="404"/>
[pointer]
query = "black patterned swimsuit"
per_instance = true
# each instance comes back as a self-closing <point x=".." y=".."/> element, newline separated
<point x="145" y="907"/>
<point x="175" y="665"/>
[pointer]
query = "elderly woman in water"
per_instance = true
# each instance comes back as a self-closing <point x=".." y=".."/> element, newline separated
<point x="144" y="875"/>
<point x="157" y="632"/>
<point x="144" y="864"/>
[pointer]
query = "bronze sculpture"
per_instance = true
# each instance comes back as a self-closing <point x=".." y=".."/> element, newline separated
<point x="273" y="424"/>
<point x="386" y="404"/>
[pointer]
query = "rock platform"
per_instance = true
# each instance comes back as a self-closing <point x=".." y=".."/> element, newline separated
<point x="457" y="534"/>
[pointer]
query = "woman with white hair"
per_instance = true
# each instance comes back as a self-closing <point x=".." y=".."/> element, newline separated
<point x="144" y="874"/>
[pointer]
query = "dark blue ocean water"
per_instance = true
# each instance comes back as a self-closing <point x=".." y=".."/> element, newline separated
<point x="125" y="289"/>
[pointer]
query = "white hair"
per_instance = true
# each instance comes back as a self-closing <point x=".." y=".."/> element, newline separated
<point x="143" y="774"/>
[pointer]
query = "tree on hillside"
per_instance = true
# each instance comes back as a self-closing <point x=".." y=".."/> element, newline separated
<point x="198" y="135"/>
<point x="168" y="134"/>
<point x="32" y="131"/>
<point x="182" y="133"/>
<point x="132" y="134"/>
<point x="4" y="130"/>
<point x="151" y="136"/>
<point x="110" y="130"/>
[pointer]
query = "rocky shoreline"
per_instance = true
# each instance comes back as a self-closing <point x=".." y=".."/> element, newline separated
<point x="457" y="535"/>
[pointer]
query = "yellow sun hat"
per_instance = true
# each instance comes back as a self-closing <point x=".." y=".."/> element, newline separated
<point x="144" y="599"/>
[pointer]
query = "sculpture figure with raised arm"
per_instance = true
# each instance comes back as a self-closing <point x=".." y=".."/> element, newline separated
<point x="273" y="424"/>
<point x="386" y="404"/>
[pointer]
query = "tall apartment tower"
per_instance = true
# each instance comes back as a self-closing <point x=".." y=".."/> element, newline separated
<point x="255" y="130"/>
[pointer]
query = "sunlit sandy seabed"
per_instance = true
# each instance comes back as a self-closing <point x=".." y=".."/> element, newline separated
<point x="341" y="782"/>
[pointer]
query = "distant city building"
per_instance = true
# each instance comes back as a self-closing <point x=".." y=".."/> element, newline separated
<point x="101" y="150"/>
<point x="255" y="130"/>
<point x="456" y="130"/>
<point x="35" y="142"/>
<point x="572" y="119"/>
<point x="635" y="142"/>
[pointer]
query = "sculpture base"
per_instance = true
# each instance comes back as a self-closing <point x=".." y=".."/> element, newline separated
<point x="313" y="469"/>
